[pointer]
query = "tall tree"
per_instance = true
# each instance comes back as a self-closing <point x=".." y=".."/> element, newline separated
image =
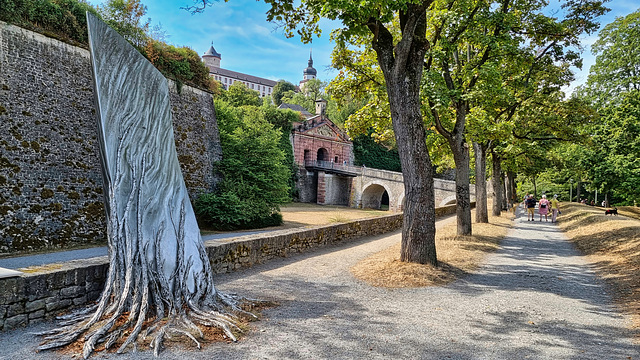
<point x="126" y="17"/>
<point x="617" y="67"/>
<point x="239" y="94"/>
<point x="280" y="89"/>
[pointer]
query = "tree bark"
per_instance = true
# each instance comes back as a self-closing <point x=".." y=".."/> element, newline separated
<point x="497" y="184"/>
<point x="511" y="189"/>
<point x="578" y="191"/>
<point x="460" y="149"/>
<point x="480" y="152"/>
<point x="402" y="68"/>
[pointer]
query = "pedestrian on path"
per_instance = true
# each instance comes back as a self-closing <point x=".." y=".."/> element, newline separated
<point x="543" y="208"/>
<point x="530" y="203"/>
<point x="555" y="208"/>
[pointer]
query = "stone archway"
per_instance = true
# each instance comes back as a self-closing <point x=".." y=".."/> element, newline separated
<point x="323" y="155"/>
<point x="372" y="196"/>
<point x="450" y="200"/>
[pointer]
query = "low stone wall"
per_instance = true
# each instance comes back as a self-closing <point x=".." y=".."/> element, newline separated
<point x="246" y="251"/>
<point x="50" y="290"/>
<point x="44" y="292"/>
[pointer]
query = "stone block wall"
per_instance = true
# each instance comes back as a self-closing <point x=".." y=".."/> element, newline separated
<point x="246" y="251"/>
<point x="35" y="297"/>
<point x="337" y="189"/>
<point x="50" y="177"/>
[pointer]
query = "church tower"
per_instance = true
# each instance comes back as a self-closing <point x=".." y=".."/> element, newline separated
<point x="310" y="72"/>
<point x="212" y="58"/>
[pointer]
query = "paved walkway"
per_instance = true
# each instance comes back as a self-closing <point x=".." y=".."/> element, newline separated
<point x="535" y="298"/>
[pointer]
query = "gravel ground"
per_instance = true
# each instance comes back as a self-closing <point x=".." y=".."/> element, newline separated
<point x="535" y="298"/>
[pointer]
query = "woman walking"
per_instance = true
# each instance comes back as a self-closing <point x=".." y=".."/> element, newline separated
<point x="543" y="207"/>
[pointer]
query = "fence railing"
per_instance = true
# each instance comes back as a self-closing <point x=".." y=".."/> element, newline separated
<point x="332" y="165"/>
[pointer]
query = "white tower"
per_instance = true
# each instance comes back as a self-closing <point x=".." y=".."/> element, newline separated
<point x="212" y="58"/>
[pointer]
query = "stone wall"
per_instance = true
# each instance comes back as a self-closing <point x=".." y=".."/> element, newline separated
<point x="50" y="177"/>
<point x="337" y="189"/>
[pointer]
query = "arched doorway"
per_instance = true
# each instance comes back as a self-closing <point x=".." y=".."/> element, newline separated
<point x="323" y="155"/>
<point x="375" y="196"/>
<point x="384" y="202"/>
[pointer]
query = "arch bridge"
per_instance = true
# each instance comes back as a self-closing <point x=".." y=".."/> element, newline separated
<point x="361" y="187"/>
<point x="377" y="189"/>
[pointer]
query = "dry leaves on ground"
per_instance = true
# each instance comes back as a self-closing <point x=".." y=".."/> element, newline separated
<point x="457" y="255"/>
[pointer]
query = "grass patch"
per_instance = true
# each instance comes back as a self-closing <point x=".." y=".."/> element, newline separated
<point x="338" y="218"/>
<point x="612" y="244"/>
<point x="457" y="255"/>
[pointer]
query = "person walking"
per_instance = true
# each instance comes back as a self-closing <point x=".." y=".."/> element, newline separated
<point x="531" y="206"/>
<point x="555" y="208"/>
<point x="543" y="208"/>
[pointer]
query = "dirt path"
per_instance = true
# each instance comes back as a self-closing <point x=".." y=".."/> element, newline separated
<point x="535" y="298"/>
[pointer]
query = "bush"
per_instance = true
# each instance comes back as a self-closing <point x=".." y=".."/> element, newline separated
<point x="227" y="211"/>
<point x="61" y="19"/>
<point x="66" y="20"/>
<point x="181" y="64"/>
<point x="255" y="177"/>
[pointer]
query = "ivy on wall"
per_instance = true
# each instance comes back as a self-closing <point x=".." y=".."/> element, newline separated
<point x="371" y="154"/>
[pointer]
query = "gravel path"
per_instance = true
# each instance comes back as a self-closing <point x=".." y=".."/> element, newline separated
<point x="536" y="298"/>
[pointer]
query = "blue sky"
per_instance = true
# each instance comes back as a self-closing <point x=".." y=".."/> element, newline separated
<point x="249" y="44"/>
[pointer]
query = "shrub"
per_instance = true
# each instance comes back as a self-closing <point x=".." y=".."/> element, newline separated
<point x="61" y="19"/>
<point x="255" y="179"/>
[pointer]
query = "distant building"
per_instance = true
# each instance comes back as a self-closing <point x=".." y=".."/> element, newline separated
<point x="308" y="74"/>
<point x="212" y="60"/>
<point x="324" y="155"/>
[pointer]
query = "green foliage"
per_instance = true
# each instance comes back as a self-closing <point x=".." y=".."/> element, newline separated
<point x="279" y="89"/>
<point x="283" y="120"/>
<point x="298" y="98"/>
<point x="618" y="55"/>
<point x="62" y="19"/>
<point x="255" y="178"/>
<point x="366" y="151"/>
<point x="239" y="94"/>
<point x="179" y="63"/>
<point x="66" y="20"/>
<point x="125" y="17"/>
<point x="612" y="162"/>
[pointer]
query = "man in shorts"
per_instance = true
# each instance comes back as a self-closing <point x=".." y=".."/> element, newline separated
<point x="530" y="203"/>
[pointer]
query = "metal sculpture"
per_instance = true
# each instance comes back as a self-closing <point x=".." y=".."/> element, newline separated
<point x="159" y="281"/>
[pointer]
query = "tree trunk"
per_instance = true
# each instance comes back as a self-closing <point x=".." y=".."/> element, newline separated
<point x="480" y="152"/>
<point x="535" y="187"/>
<point x="578" y="191"/>
<point x="497" y="185"/>
<point x="402" y="68"/>
<point x="511" y="189"/>
<point x="460" y="149"/>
